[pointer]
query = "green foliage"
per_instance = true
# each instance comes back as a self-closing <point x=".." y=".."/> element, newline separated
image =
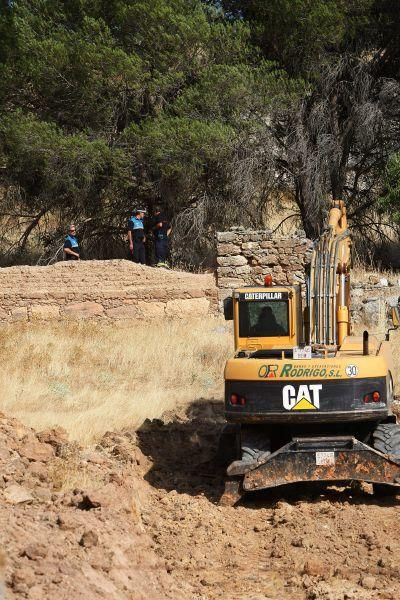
<point x="297" y="32"/>
<point x="183" y="155"/>
<point x="105" y="104"/>
<point x="54" y="168"/>
<point x="108" y="104"/>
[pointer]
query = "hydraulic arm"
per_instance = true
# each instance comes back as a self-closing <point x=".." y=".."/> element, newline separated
<point x="329" y="282"/>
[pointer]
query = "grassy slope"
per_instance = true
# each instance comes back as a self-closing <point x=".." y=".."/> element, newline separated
<point x="91" y="378"/>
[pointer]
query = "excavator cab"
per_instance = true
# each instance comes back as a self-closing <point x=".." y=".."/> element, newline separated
<point x="268" y="318"/>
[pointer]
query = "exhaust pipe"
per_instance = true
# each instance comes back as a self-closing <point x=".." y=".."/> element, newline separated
<point x="365" y="343"/>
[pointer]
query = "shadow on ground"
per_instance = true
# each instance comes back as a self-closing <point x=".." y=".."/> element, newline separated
<point x="183" y="447"/>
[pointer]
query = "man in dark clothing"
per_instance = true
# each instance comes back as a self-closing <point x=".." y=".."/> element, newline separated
<point x="137" y="237"/>
<point x="71" y="246"/>
<point x="267" y="324"/>
<point x="161" y="229"/>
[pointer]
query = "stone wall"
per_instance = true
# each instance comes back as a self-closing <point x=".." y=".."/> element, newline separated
<point x="245" y="257"/>
<point x="370" y="303"/>
<point x="103" y="290"/>
<point x="118" y="289"/>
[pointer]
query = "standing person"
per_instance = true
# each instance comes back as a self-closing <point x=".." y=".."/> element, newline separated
<point x="71" y="245"/>
<point x="137" y="237"/>
<point x="161" y="229"/>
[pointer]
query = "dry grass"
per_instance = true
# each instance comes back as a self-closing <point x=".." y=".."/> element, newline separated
<point x="361" y="273"/>
<point x="90" y="378"/>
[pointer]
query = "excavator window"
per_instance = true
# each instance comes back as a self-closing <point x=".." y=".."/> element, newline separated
<point x="263" y="319"/>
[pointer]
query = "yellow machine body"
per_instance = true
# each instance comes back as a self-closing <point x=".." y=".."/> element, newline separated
<point x="304" y="397"/>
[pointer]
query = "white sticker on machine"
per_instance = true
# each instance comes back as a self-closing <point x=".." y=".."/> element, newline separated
<point x="351" y="370"/>
<point x="325" y="458"/>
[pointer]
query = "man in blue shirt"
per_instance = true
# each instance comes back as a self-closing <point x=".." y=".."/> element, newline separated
<point x="71" y="246"/>
<point x="161" y="229"/>
<point x="137" y="237"/>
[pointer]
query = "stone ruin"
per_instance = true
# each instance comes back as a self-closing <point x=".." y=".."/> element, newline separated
<point x="244" y="257"/>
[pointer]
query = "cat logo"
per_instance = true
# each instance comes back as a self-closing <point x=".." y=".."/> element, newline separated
<point x="305" y="398"/>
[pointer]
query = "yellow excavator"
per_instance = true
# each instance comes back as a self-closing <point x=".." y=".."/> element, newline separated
<point x="305" y="400"/>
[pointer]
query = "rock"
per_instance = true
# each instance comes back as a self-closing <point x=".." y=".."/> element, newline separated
<point x="100" y="559"/>
<point x="368" y="582"/>
<point x="231" y="261"/>
<point x="226" y="272"/>
<point x="83" y="310"/>
<point x="35" y="450"/>
<point x="14" y="467"/>
<point x="24" y="575"/>
<point x="270" y="260"/>
<point x="16" y="494"/>
<point x="198" y="307"/>
<point x="108" y="496"/>
<point x="126" y="311"/>
<point x="283" y="513"/>
<point x="267" y="245"/>
<point x="123" y="451"/>
<point x="21" y="588"/>
<point x="38" y="470"/>
<point x="35" y="551"/>
<point x="383" y="282"/>
<point x="226" y="236"/>
<point x="243" y="270"/>
<point x="42" y="494"/>
<point x="4" y="454"/>
<point x="93" y="499"/>
<point x="94" y="457"/>
<point x="152" y="310"/>
<point x="229" y="282"/>
<point x="373" y="279"/>
<point x="228" y="249"/>
<point x="249" y="246"/>
<point x="68" y="521"/>
<point x="371" y="311"/>
<point x="56" y="437"/>
<point x="36" y="592"/>
<point x="89" y="539"/>
<point x="19" y="314"/>
<point x="314" y="567"/>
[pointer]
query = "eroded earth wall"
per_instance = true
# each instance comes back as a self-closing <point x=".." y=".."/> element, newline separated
<point x="103" y="290"/>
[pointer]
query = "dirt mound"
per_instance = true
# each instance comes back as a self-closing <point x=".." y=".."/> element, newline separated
<point x="303" y="542"/>
<point x="137" y="518"/>
<point x="85" y="541"/>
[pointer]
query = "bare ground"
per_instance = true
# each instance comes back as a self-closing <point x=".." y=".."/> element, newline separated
<point x="137" y="518"/>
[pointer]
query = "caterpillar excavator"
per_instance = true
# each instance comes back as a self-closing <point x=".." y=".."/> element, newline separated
<point x="305" y="400"/>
